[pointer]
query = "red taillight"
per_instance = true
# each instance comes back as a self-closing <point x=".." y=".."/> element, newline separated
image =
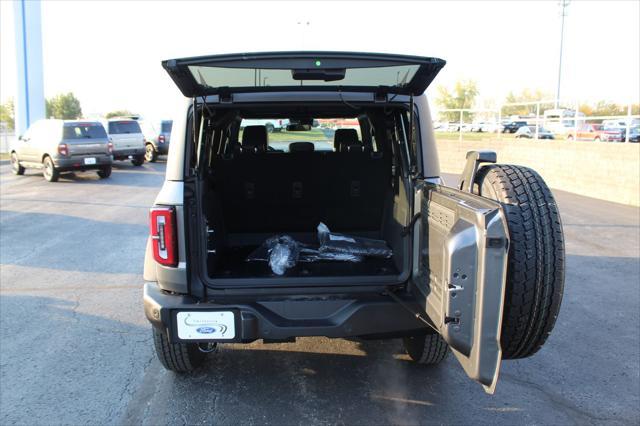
<point x="63" y="149"/>
<point x="163" y="235"/>
<point x="110" y="148"/>
<point x="161" y="139"/>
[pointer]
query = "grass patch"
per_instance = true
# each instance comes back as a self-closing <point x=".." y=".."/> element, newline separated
<point x="472" y="136"/>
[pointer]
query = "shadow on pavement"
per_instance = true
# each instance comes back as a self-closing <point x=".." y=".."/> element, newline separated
<point x="60" y="364"/>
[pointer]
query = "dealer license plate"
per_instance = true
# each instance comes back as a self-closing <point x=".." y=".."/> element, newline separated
<point x="199" y="325"/>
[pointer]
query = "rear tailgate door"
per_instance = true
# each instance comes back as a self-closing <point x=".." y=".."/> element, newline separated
<point x="87" y="138"/>
<point x="459" y="275"/>
<point x="298" y="71"/>
<point x="126" y="134"/>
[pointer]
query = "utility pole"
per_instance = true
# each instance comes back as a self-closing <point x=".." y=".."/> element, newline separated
<point x="563" y="12"/>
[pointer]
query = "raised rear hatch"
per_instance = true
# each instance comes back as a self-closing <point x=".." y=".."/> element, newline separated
<point x="303" y="71"/>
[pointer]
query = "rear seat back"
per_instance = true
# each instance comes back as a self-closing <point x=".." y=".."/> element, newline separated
<point x="255" y="139"/>
<point x="291" y="192"/>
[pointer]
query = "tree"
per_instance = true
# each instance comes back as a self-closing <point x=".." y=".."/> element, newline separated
<point x="119" y="113"/>
<point x="526" y="95"/>
<point x="7" y="114"/>
<point x="604" y="108"/>
<point x="462" y="96"/>
<point x="63" y="106"/>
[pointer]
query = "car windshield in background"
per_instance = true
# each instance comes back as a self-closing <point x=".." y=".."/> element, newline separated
<point x="119" y="127"/>
<point x="321" y="134"/>
<point x="166" y="126"/>
<point x="83" y="131"/>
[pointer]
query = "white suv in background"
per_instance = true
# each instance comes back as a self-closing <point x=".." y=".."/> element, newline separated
<point x="127" y="139"/>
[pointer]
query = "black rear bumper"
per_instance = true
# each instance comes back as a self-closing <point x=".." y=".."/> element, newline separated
<point x="290" y="317"/>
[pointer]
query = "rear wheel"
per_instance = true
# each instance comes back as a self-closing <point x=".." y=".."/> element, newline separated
<point x="150" y="153"/>
<point x="569" y="137"/>
<point x="270" y="127"/>
<point x="428" y="349"/>
<point x="535" y="271"/>
<point x="104" y="172"/>
<point x="49" y="170"/>
<point x="138" y="161"/>
<point x="16" y="168"/>
<point x="178" y="357"/>
<point x="596" y="139"/>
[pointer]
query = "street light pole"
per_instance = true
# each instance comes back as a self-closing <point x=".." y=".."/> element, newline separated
<point x="563" y="5"/>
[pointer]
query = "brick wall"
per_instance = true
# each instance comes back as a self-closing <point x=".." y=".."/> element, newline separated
<point x="609" y="171"/>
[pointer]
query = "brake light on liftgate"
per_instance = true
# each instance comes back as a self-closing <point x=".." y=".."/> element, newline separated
<point x="63" y="149"/>
<point x="161" y="139"/>
<point x="163" y="235"/>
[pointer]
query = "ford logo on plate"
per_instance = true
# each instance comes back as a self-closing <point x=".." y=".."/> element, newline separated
<point x="206" y="330"/>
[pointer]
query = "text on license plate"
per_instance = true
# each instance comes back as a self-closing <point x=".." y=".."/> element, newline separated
<point x="198" y="325"/>
<point x="89" y="161"/>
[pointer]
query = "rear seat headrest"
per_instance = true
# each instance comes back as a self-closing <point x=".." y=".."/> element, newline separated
<point x="255" y="138"/>
<point x="355" y="148"/>
<point x="344" y="138"/>
<point x="302" y="147"/>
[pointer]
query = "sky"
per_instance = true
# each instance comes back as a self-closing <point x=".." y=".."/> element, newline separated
<point x="108" y="53"/>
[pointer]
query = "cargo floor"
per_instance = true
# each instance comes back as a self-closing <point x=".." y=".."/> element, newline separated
<point x="231" y="263"/>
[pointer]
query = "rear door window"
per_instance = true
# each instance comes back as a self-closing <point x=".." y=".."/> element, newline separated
<point x="83" y="131"/>
<point x="124" y="127"/>
<point x="166" y="127"/>
<point x="321" y="133"/>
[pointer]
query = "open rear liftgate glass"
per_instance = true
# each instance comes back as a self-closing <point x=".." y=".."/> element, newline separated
<point x="302" y="71"/>
<point x="461" y="240"/>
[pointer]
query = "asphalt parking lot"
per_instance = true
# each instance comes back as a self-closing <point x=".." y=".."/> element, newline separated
<point x="75" y="347"/>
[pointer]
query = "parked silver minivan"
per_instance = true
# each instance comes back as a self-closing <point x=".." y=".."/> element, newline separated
<point x="57" y="146"/>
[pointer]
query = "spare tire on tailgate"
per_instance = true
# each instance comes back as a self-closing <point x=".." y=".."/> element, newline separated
<point x="535" y="271"/>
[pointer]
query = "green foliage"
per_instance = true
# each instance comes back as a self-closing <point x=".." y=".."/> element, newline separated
<point x="7" y="114"/>
<point x="63" y="106"/>
<point x="603" y="108"/>
<point x="119" y="113"/>
<point x="527" y="95"/>
<point x="462" y="96"/>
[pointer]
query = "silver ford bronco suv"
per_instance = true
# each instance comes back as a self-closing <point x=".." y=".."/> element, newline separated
<point x="476" y="269"/>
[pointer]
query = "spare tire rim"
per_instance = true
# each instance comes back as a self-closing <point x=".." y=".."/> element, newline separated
<point x="47" y="167"/>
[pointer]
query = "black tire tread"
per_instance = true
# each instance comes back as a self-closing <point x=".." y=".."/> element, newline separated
<point x="104" y="172"/>
<point x="178" y="357"/>
<point x="431" y="351"/>
<point x="536" y="267"/>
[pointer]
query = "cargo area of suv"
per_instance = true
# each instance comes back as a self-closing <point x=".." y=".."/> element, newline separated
<point x="259" y="185"/>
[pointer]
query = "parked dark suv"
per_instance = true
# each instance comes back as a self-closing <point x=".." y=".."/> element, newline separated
<point x="513" y="126"/>
<point x="341" y="232"/>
